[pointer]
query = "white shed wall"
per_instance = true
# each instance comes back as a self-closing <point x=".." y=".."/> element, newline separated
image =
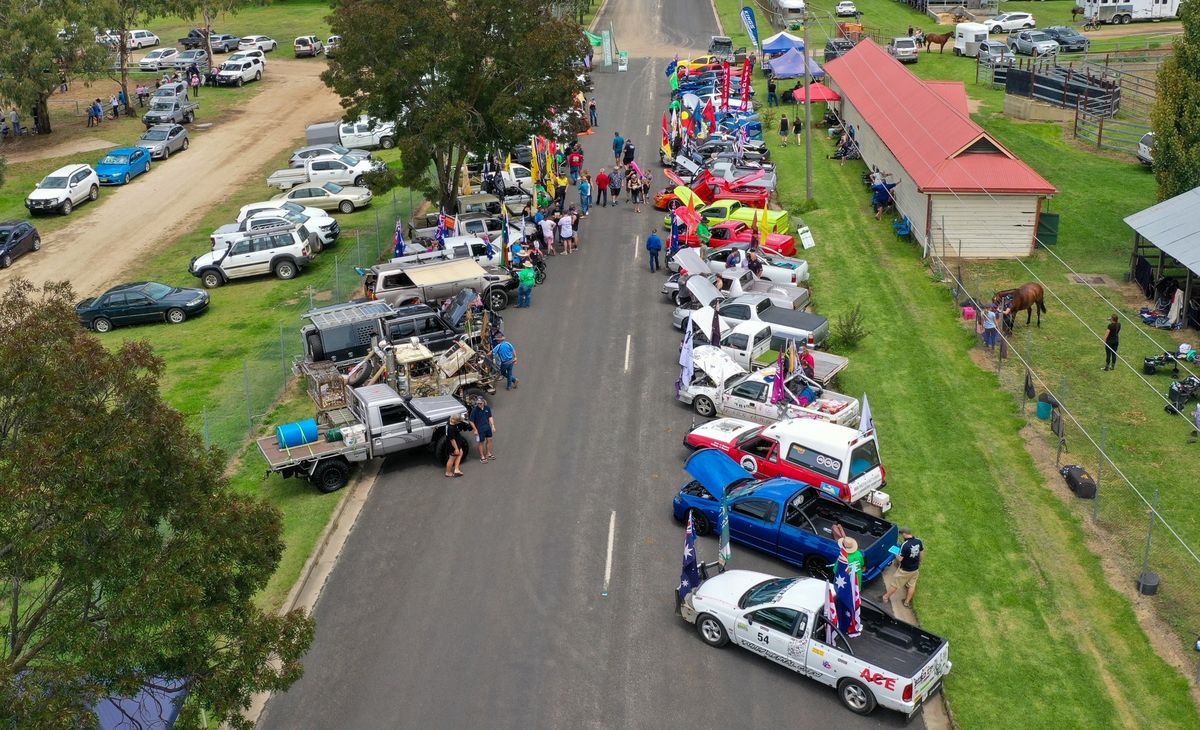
<point x="986" y="227"/>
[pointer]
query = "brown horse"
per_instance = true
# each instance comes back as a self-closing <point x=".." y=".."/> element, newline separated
<point x="1025" y="297"/>
<point x="1076" y="12"/>
<point x="941" y="39"/>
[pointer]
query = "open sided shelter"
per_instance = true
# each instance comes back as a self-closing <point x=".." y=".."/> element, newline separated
<point x="963" y="192"/>
<point x="1166" y="251"/>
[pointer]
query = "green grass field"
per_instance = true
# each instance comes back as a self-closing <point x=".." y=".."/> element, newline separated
<point x="282" y="20"/>
<point x="1011" y="580"/>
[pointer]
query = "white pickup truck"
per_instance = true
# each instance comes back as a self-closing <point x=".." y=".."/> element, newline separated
<point x="344" y="170"/>
<point x="753" y="346"/>
<point x="891" y="663"/>
<point x="362" y="133"/>
<point x="325" y="229"/>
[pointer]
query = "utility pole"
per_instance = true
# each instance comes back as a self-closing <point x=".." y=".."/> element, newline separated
<point x="808" y="161"/>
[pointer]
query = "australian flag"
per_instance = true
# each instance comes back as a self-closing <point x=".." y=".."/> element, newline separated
<point x="440" y="234"/>
<point x="689" y="578"/>
<point x="672" y="66"/>
<point x="399" y="241"/>
<point x="845" y="582"/>
<point x="674" y="236"/>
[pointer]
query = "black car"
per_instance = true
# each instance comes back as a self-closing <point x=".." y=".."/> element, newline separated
<point x="835" y="47"/>
<point x="16" y="239"/>
<point x="1068" y="38"/>
<point x="141" y="301"/>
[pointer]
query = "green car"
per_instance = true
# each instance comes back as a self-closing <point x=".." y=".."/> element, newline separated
<point x="778" y="221"/>
<point x="141" y="301"/>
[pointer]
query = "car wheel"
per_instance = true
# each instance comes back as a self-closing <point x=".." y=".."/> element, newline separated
<point x="346" y="206"/>
<point x="94" y="193"/>
<point x="997" y="29"/>
<point x="66" y="207"/>
<point x="285" y="270"/>
<point x="387" y="143"/>
<point x="189" y="117"/>
<point x="358" y="181"/>
<point x="147" y="166"/>
<point x="711" y="630"/>
<point x="176" y="315"/>
<point x="186" y="143"/>
<point x="331" y="476"/>
<point x="699" y="522"/>
<point x="704" y="407"/>
<point x="102" y="325"/>
<point x="258" y="75"/>
<point x="240" y="82"/>
<point x="817" y="566"/>
<point x="5" y="261"/>
<point x="212" y="279"/>
<point x="856" y="697"/>
<point x="497" y="299"/>
<point x="166" y="152"/>
<point x="125" y="180"/>
<point x="37" y="243"/>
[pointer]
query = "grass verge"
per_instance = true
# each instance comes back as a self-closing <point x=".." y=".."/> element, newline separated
<point x="1011" y="580"/>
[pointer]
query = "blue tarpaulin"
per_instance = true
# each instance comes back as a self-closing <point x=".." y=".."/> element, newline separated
<point x="788" y="66"/>
<point x="153" y="708"/>
<point x="782" y="42"/>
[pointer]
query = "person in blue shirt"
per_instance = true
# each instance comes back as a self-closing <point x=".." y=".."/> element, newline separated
<point x="653" y="247"/>
<point x="505" y="356"/>
<point x="618" y="147"/>
<point x="881" y="197"/>
<point x="485" y="428"/>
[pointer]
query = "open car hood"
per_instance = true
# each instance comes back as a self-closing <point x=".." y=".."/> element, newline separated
<point x="716" y="472"/>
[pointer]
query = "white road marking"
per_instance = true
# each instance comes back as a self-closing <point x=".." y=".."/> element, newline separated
<point x="647" y="130"/>
<point x="628" y="343"/>
<point x="612" y="531"/>
<point x="637" y="246"/>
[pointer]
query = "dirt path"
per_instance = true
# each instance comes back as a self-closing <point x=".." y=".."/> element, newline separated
<point x="1121" y="31"/>
<point x="46" y="152"/>
<point x="177" y="193"/>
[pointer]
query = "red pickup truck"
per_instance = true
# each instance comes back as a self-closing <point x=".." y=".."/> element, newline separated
<point x="738" y="232"/>
<point x="710" y="188"/>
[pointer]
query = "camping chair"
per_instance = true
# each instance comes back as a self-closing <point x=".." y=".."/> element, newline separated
<point x="902" y="227"/>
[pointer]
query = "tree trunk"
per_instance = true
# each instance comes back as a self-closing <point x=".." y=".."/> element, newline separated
<point x="43" y="113"/>
<point x="123" y="60"/>
<point x="208" y="19"/>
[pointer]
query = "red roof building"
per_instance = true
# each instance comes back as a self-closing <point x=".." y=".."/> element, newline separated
<point x="964" y="193"/>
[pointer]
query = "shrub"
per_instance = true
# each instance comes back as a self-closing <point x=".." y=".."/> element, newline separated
<point x="381" y="180"/>
<point x="849" y="328"/>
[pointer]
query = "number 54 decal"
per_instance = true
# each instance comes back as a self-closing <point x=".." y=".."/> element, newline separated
<point x="764" y="638"/>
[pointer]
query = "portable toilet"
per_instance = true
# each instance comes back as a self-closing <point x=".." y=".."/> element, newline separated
<point x="967" y="37"/>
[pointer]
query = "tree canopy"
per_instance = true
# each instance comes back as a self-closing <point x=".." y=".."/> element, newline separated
<point x="455" y="78"/>
<point x="124" y="557"/>
<point x="1176" y="115"/>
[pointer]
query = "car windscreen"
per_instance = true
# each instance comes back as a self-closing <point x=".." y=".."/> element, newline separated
<point x="115" y="160"/>
<point x="332" y="188"/>
<point x="232" y="66"/>
<point x="5" y="234"/>
<point x="349" y="160"/>
<point x="156" y="291"/>
<point x="155" y="135"/>
<point x="863" y="458"/>
<point x="768" y="591"/>
<point x="53" y="182"/>
<point x="1038" y="37"/>
<point x="162" y="106"/>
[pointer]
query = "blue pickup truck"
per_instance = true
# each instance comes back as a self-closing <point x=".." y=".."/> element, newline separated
<point x="782" y="517"/>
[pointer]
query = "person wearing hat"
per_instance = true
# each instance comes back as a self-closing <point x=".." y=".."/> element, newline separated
<point x="912" y="551"/>
<point x="854" y="557"/>
<point x="528" y="278"/>
<point x="505" y="356"/>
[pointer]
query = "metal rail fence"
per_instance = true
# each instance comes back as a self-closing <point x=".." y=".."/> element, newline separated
<point x="1116" y="135"/>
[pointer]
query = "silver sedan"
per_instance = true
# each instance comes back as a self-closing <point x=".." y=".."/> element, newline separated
<point x="163" y="139"/>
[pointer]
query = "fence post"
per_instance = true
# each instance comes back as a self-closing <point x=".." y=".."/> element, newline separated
<point x="337" y="280"/>
<point x="283" y="354"/>
<point x="1099" y="472"/>
<point x="1075" y="127"/>
<point x="204" y="432"/>
<point x="246" y="393"/>
<point x="1100" y="133"/>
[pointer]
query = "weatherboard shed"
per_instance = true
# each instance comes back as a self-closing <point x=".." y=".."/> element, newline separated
<point x="964" y="193"/>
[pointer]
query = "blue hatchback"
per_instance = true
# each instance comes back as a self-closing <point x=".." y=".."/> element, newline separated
<point x="122" y="164"/>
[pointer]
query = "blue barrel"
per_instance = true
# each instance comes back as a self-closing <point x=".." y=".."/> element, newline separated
<point x="291" y="435"/>
<point x="1044" y="410"/>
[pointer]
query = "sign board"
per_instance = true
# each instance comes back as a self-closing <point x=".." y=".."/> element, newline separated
<point x="606" y="42"/>
<point x="806" y="237"/>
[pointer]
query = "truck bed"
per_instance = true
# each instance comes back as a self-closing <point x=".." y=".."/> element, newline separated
<point x="892" y="645"/>
<point x="279" y="458"/>
<point x="287" y="178"/>
<point x="806" y="321"/>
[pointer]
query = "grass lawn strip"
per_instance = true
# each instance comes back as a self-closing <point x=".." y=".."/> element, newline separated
<point x="1012" y="584"/>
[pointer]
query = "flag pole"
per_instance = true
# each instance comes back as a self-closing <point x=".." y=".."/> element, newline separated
<point x="808" y="161"/>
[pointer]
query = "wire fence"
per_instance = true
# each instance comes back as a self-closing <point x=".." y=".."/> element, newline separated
<point x="251" y="388"/>
<point x="1149" y="554"/>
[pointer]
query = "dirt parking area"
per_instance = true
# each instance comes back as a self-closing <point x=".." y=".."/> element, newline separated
<point x="95" y="251"/>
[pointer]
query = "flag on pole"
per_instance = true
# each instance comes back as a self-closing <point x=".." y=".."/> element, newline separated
<point x="849" y="600"/>
<point x="689" y="577"/>
<point x="508" y="162"/>
<point x="535" y="168"/>
<point x="831" y="614"/>
<point x="746" y="83"/>
<point x="725" y="553"/>
<point x="666" y="136"/>
<point x="866" y="423"/>
<point x="714" y="337"/>
<point x="675" y="243"/>
<point x="445" y="222"/>
<point x="725" y="86"/>
<point x="710" y="116"/>
<point x="672" y="66"/>
<point x="398" y="249"/>
<point x="686" y="366"/>
<point x="777" y="388"/>
<point x="764" y="227"/>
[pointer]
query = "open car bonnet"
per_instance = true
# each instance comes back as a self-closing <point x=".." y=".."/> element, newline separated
<point x="716" y="472"/>
<point x="701" y="288"/>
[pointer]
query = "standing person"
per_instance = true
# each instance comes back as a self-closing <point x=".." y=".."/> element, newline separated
<point x="560" y="192"/>
<point x="585" y="193"/>
<point x="989" y="327"/>
<point x="854" y="557"/>
<point x="808" y="363"/>
<point x="548" y="228"/>
<point x="618" y="144"/>
<point x="912" y="551"/>
<point x="734" y="259"/>
<point x="575" y="164"/>
<point x="455" y="444"/>
<point x="784" y="129"/>
<point x="62" y="83"/>
<point x="615" y="182"/>
<point x="636" y="190"/>
<point x="772" y="96"/>
<point x="196" y="85"/>
<point x="602" y="188"/>
<point x="566" y="231"/>
<point x="576" y="220"/>
<point x="630" y="153"/>
<point x="115" y="103"/>
<point x="485" y="428"/>
<point x="98" y="110"/>
<point x="653" y="247"/>
<point x="1112" y="339"/>
<point x="797" y="129"/>
<point x="592" y="118"/>
<point x="528" y="278"/>
<point x="14" y="118"/>
<point x="505" y="356"/>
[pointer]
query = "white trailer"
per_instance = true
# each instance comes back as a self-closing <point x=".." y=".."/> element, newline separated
<point x="1125" y="12"/>
<point x="967" y="37"/>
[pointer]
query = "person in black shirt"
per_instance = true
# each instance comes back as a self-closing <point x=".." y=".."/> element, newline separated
<point x="912" y="551"/>
<point x="1112" y="338"/>
<point x="454" y="443"/>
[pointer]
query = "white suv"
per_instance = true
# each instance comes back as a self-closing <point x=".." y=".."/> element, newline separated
<point x="141" y="39"/>
<point x="1005" y="22"/>
<point x="325" y="227"/>
<point x="281" y="251"/>
<point x="236" y="73"/>
<point x="63" y="189"/>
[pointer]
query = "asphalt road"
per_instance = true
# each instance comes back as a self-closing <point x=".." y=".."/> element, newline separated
<point x="477" y="602"/>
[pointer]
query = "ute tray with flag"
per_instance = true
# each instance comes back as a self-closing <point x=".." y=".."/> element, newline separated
<point x="890" y="663"/>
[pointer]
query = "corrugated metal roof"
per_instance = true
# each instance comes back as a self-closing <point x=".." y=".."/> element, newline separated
<point x="926" y="128"/>
<point x="1173" y="226"/>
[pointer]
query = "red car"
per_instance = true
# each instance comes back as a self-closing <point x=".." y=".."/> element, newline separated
<point x="710" y="188"/>
<point x="738" y="232"/>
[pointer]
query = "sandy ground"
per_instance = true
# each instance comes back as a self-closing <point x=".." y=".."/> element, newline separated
<point x="70" y="147"/>
<point x="1121" y="31"/>
<point x="179" y="191"/>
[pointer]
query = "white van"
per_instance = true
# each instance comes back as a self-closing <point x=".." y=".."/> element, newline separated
<point x="789" y="9"/>
<point x="967" y="37"/>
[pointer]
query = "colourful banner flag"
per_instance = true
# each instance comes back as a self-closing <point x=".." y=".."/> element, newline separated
<point x="746" y="83"/>
<point x="725" y="85"/>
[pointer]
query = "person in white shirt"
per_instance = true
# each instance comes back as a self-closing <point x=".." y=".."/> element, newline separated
<point x="566" y="231"/>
